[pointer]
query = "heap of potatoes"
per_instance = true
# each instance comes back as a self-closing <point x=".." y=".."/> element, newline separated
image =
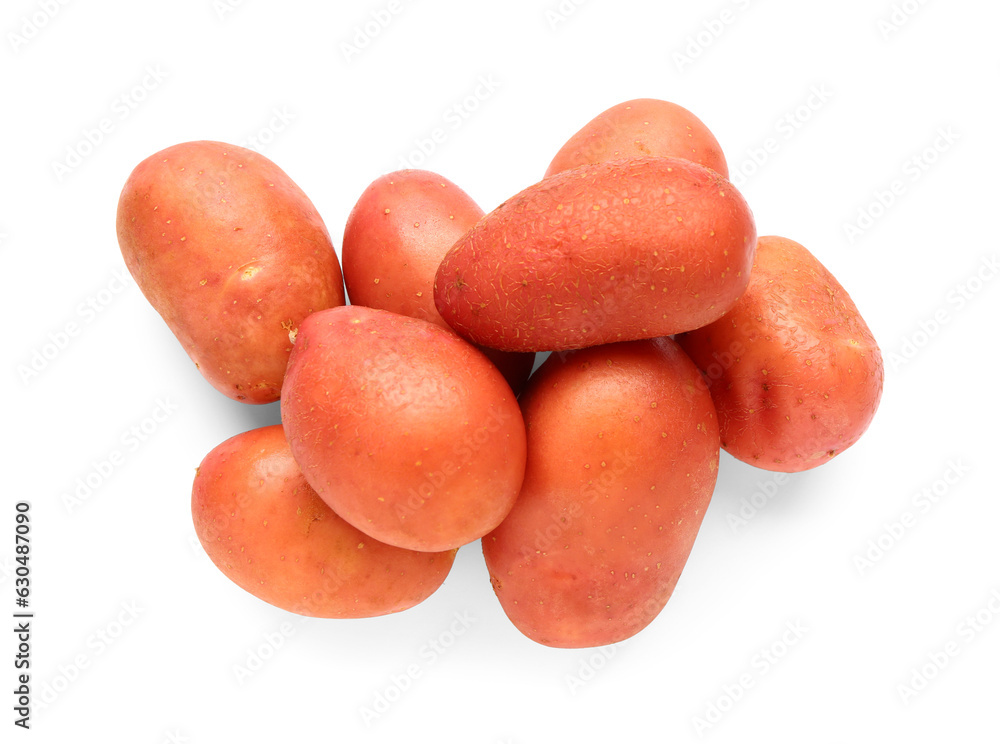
<point x="410" y="424"/>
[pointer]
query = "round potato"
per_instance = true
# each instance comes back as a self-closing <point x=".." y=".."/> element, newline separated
<point x="404" y="429"/>
<point x="396" y="235"/>
<point x="634" y="129"/>
<point x="233" y="256"/>
<point x="268" y="531"/>
<point x="793" y="368"/>
<point x="623" y="452"/>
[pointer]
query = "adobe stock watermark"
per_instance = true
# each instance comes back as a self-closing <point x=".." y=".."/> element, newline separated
<point x="913" y="169"/>
<point x="256" y="658"/>
<point x="366" y="32"/>
<point x="305" y="610"/>
<point x="428" y="655"/>
<point x="122" y="106"/>
<point x="610" y="471"/>
<point x="262" y="138"/>
<point x="922" y="503"/>
<point x="899" y="15"/>
<point x="453" y="118"/>
<point x="762" y="663"/>
<point x="785" y="128"/>
<point x="103" y="468"/>
<point x="96" y="645"/>
<point x="463" y="452"/>
<point x="712" y="29"/>
<point x="224" y="8"/>
<point x="967" y="631"/>
<point x="375" y="372"/>
<point x="558" y="13"/>
<point x="260" y="655"/>
<point x="31" y="25"/>
<point x="85" y="313"/>
<point x="589" y="666"/>
<point x="930" y="326"/>
<point x="750" y="506"/>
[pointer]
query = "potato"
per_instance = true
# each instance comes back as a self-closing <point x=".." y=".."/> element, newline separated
<point x="623" y="452"/>
<point x="233" y="255"/>
<point x="403" y="428"/>
<point x="396" y="235"/>
<point x="613" y="251"/>
<point x="645" y="126"/>
<point x="268" y="531"/>
<point x="793" y="369"/>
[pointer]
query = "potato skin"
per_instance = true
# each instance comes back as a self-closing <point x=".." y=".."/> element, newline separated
<point x="634" y="129"/>
<point x="403" y="428"/>
<point x="623" y="452"/>
<point x="268" y="531"/>
<point x="396" y="235"/>
<point x="607" y="252"/>
<point x="794" y="371"/>
<point x="232" y="254"/>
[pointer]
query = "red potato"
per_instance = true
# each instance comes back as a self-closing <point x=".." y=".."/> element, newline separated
<point x="403" y="428"/>
<point x="396" y="235"/>
<point x="613" y="251"/>
<point x="233" y="255"/>
<point x="793" y="369"/>
<point x="268" y="531"/>
<point x="623" y="452"/>
<point x="634" y="129"/>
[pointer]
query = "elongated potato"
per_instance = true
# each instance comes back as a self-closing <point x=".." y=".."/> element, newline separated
<point x="404" y="429"/>
<point x="233" y="255"/>
<point x="268" y="531"/>
<point x="634" y="129"/>
<point x="793" y="368"/>
<point x="623" y="452"/>
<point x="396" y="235"/>
<point x="613" y="251"/>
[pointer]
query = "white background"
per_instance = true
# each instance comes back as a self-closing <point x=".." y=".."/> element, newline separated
<point x="169" y="674"/>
